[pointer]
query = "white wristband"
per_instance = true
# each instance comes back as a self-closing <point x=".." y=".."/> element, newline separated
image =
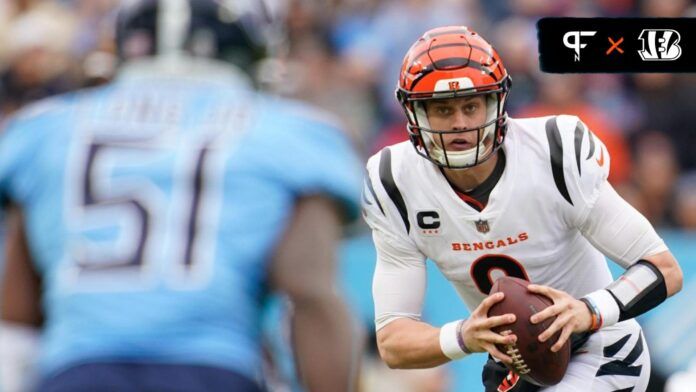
<point x="607" y="306"/>
<point x="450" y="341"/>
<point x="19" y="346"/>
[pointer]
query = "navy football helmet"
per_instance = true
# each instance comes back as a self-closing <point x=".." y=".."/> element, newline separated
<point x="236" y="31"/>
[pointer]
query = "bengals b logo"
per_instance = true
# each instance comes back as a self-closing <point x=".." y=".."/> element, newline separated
<point x="659" y="45"/>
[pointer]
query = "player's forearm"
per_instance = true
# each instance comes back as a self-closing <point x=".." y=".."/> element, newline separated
<point x="20" y="286"/>
<point x="668" y="266"/>
<point x="410" y="344"/>
<point x="326" y="344"/>
<point x="644" y="285"/>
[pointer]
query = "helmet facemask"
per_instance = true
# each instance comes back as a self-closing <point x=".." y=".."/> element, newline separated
<point x="431" y="144"/>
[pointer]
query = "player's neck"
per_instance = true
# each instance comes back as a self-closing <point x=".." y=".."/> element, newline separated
<point x="468" y="179"/>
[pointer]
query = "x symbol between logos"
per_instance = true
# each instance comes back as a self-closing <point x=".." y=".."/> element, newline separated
<point x="615" y="45"/>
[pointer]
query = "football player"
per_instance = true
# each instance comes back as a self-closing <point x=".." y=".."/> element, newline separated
<point x="159" y="211"/>
<point x="484" y="195"/>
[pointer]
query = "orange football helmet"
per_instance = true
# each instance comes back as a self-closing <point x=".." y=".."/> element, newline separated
<point x="452" y="62"/>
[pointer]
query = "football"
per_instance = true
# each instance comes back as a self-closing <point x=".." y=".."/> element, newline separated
<point x="533" y="360"/>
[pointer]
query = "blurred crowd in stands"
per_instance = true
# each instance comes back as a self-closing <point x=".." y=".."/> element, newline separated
<point x="344" y="55"/>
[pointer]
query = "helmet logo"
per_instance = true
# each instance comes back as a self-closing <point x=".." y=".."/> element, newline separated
<point x="453" y="84"/>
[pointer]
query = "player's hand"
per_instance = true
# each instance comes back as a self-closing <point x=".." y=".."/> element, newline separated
<point x="477" y="333"/>
<point x="571" y="314"/>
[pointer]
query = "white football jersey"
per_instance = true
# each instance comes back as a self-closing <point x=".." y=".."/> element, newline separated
<point x="528" y="229"/>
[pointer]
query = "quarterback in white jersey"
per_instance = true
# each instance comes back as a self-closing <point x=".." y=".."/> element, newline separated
<point x="484" y="195"/>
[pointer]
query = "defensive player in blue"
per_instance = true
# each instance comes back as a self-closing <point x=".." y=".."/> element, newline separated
<point x="160" y="210"/>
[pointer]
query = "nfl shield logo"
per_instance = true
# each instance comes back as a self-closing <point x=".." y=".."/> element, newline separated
<point x="482" y="226"/>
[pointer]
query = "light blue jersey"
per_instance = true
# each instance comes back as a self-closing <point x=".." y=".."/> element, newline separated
<point x="3" y="226"/>
<point x="153" y="207"/>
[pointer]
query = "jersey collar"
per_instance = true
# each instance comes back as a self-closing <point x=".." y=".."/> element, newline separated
<point x="499" y="196"/>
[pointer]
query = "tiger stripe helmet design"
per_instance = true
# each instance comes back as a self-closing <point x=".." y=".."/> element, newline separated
<point x="453" y="62"/>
